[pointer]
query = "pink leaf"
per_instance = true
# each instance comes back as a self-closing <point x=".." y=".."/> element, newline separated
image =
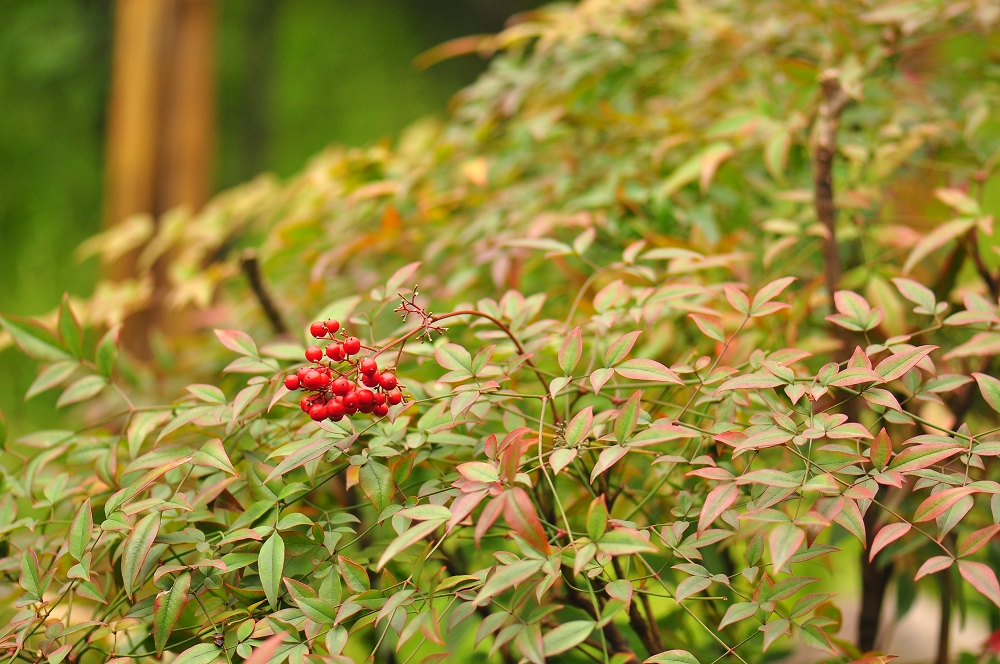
<point x="982" y="578"/>
<point x="887" y="536"/>
<point x="784" y="541"/>
<point x="718" y="501"/>
<point x="933" y="565"/>
<point x="238" y="342"/>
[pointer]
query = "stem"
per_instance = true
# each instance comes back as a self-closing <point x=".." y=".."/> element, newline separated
<point x="251" y="268"/>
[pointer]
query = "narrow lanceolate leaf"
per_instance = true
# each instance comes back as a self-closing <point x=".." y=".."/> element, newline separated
<point x="609" y="456"/>
<point x="989" y="387"/>
<point x="579" y="426"/>
<point x="571" y="350"/>
<point x="933" y="565"/>
<point x="977" y="540"/>
<point x="628" y="417"/>
<point x="883" y="398"/>
<point x="302" y="456"/>
<point x="263" y="653"/>
<point x="520" y="514"/>
<point x="49" y="377"/>
<point x="213" y="455"/>
<point x="895" y="366"/>
<point x="567" y="636"/>
<point x="784" y="541"/>
<point x="691" y="586"/>
<point x="936" y="239"/>
<point x="126" y="494"/>
<point x="939" y="503"/>
<point x="982" y="578"/>
<point x="507" y="576"/>
<point x="673" y="657"/>
<point x="137" y="546"/>
<point x="737" y="612"/>
<point x="719" y="499"/>
<point x="167" y="609"/>
<point x="30" y="579"/>
<point x="645" y="369"/>
<point x="881" y="450"/>
<point x="31" y="345"/>
<point x="203" y="653"/>
<point x="107" y="351"/>
<point x="409" y="537"/>
<point x="710" y="327"/>
<point x="377" y="483"/>
<point x="270" y="564"/>
<point x="620" y="348"/>
<point x="918" y="457"/>
<point x="769" y="292"/>
<point x="887" y="536"/>
<point x="80" y="530"/>
<point x="751" y="382"/>
<point x="81" y="390"/>
<point x="238" y="342"/>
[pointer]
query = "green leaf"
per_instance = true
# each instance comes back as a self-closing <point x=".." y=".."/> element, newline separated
<point x="107" y="351"/>
<point x="213" y="455"/>
<point x="81" y="390"/>
<point x="406" y="539"/>
<point x="566" y="636"/>
<point x="579" y="426"/>
<point x="895" y="366"/>
<point x="129" y="492"/>
<point x="673" y="657"/>
<point x="30" y="579"/>
<point x="881" y="450"/>
<point x="50" y="376"/>
<point x="238" y="342"/>
<point x="773" y="631"/>
<point x="737" y="612"/>
<point x="141" y="426"/>
<point x="377" y="483"/>
<point x="59" y="654"/>
<point x="270" y="564"/>
<point x="31" y="345"/>
<point x="209" y="393"/>
<point x="597" y="518"/>
<point x="136" y="548"/>
<point x="167" y="609"/>
<point x="70" y="329"/>
<point x="620" y="348"/>
<point x="507" y="576"/>
<point x="690" y="586"/>
<point x="784" y="541"/>
<point x="571" y="350"/>
<point x="203" y="653"/>
<point x="645" y="369"/>
<point x="302" y="456"/>
<point x="453" y="356"/>
<point x="710" y="327"/>
<point x="317" y="609"/>
<point x="354" y="575"/>
<point x="628" y="417"/>
<point x="80" y="531"/>
<point x="624" y="542"/>
<point x="990" y="389"/>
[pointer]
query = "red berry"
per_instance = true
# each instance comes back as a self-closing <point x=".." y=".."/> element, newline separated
<point x="332" y="325"/>
<point x="370" y="381"/>
<point x="366" y="398"/>
<point x="352" y="345"/>
<point x="381" y="410"/>
<point x="388" y="381"/>
<point x="301" y="373"/>
<point x="394" y="397"/>
<point x="351" y="400"/>
<point x="313" y="379"/>
<point x="335" y="409"/>
<point x="305" y="404"/>
<point x="368" y="366"/>
<point x="318" y="412"/>
<point x="292" y="382"/>
<point x="335" y="352"/>
<point x="379" y="398"/>
<point x="314" y="354"/>
<point x="318" y="329"/>
<point x="324" y="379"/>
<point x="341" y="386"/>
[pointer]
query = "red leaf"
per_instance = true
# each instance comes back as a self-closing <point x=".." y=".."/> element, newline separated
<point x="933" y="565"/>
<point x="489" y="516"/>
<point x="887" y="536"/>
<point x="784" y="541"/>
<point x="265" y="651"/>
<point x="982" y="578"/>
<point x="519" y="512"/>
<point x="940" y="502"/>
<point x="718" y="501"/>
<point x="977" y="540"/>
<point x="769" y="292"/>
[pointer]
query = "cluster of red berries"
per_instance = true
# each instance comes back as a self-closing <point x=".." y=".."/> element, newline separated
<point x="333" y="395"/>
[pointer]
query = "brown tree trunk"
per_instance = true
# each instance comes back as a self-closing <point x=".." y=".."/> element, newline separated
<point x="161" y="125"/>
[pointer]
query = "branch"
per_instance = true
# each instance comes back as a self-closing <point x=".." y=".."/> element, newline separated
<point x="251" y="268"/>
<point x="834" y="100"/>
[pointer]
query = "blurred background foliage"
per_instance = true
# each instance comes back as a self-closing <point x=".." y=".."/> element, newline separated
<point x="293" y="77"/>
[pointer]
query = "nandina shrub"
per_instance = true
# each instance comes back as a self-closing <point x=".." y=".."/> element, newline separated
<point x="659" y="409"/>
